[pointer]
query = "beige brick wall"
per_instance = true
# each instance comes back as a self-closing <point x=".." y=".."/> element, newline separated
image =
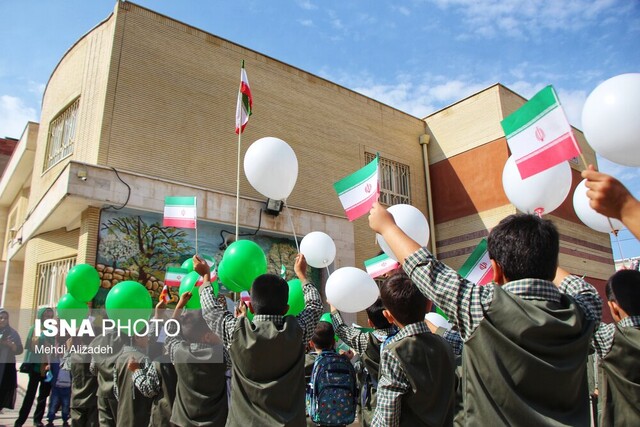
<point x="88" y="238"/>
<point x="43" y="248"/>
<point x="167" y="109"/>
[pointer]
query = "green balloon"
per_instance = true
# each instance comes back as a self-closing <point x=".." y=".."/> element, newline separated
<point x="70" y="309"/>
<point x="83" y="282"/>
<point x="243" y="261"/>
<point x="128" y="302"/>
<point x="326" y="317"/>
<point x="188" y="263"/>
<point x="226" y="280"/>
<point x="296" y="298"/>
<point x="188" y="284"/>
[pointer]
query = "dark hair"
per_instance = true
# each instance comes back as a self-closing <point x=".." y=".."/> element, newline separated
<point x="525" y="246"/>
<point x="403" y="299"/>
<point x="323" y="337"/>
<point x="269" y="294"/>
<point x="193" y="326"/>
<point x="623" y="287"/>
<point x="374" y="312"/>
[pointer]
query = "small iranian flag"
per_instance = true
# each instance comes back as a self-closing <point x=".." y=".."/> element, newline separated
<point x="379" y="265"/>
<point x="245" y="102"/>
<point x="359" y="191"/>
<point x="539" y="134"/>
<point x="174" y="276"/>
<point x="477" y="268"/>
<point x="180" y="212"/>
<point x="164" y="295"/>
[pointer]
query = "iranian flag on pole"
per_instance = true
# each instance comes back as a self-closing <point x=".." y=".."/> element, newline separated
<point x="359" y="191"/>
<point x="174" y="276"/>
<point x="539" y="134"/>
<point x="180" y="212"/>
<point x="245" y="102"/>
<point x="477" y="268"/>
<point x="379" y="265"/>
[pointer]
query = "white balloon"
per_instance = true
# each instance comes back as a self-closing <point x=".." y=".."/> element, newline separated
<point x="610" y="119"/>
<point x="350" y="289"/>
<point x="271" y="167"/>
<point x="541" y="193"/>
<point x="438" y="320"/>
<point x="318" y="249"/>
<point x="588" y="215"/>
<point x="412" y="222"/>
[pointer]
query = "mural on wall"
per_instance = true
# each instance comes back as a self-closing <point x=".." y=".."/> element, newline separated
<point x="134" y="245"/>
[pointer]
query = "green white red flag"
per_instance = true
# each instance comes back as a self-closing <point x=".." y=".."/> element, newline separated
<point x="477" y="268"/>
<point x="174" y="276"/>
<point x="179" y="212"/>
<point x="539" y="134"/>
<point x="380" y="265"/>
<point x="359" y="191"/>
<point x="245" y="102"/>
<point x="164" y="295"/>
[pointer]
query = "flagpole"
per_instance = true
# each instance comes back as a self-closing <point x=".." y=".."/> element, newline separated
<point x="196" y="203"/>
<point x="238" y="177"/>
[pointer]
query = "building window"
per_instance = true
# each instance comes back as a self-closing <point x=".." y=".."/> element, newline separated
<point x="395" y="181"/>
<point x="51" y="277"/>
<point x="62" y="131"/>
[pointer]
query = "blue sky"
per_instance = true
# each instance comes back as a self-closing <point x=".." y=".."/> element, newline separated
<point x="416" y="55"/>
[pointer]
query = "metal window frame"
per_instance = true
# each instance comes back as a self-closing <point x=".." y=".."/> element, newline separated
<point x="395" y="181"/>
<point x="61" y="136"/>
<point x="50" y="281"/>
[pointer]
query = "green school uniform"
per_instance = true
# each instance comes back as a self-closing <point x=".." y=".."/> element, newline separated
<point x="163" y="402"/>
<point x="620" y="388"/>
<point x="427" y="361"/>
<point x="103" y="364"/>
<point x="519" y="349"/>
<point x="134" y="409"/>
<point x="84" y="386"/>
<point x="201" y="390"/>
<point x="268" y="373"/>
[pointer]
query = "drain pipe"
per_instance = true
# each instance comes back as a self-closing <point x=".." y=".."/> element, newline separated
<point x="424" y="142"/>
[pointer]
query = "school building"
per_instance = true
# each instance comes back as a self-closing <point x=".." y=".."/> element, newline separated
<point x="143" y="106"/>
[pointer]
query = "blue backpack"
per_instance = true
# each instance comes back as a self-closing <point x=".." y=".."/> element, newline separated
<point x="332" y="393"/>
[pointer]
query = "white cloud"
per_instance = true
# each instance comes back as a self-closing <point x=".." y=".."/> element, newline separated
<point x="14" y="115"/>
<point x="519" y="19"/>
<point x="36" y="88"/>
<point x="402" y="10"/>
<point x="306" y="5"/>
<point x="305" y="22"/>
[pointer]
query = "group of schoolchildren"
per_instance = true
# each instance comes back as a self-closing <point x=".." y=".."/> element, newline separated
<point x="517" y="355"/>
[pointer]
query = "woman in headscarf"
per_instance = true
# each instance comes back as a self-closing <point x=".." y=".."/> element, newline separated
<point x="36" y="365"/>
<point x="10" y="346"/>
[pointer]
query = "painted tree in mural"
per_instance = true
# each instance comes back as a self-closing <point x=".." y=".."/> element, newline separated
<point x="279" y="254"/>
<point x="155" y="246"/>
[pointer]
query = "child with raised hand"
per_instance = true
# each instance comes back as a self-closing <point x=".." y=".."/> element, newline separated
<point x="198" y="356"/>
<point x="135" y="382"/>
<point x="618" y="349"/>
<point x="267" y="353"/>
<point x="417" y="380"/>
<point x="525" y="339"/>
<point x="367" y="346"/>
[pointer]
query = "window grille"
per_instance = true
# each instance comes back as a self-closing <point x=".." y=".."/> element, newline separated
<point x="395" y="181"/>
<point x="51" y="276"/>
<point x="62" y="131"/>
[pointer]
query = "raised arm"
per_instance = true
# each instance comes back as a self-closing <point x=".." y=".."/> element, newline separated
<point x="219" y="320"/>
<point x="353" y="337"/>
<point x="308" y="318"/>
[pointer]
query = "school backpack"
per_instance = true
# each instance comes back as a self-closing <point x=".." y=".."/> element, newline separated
<point x="332" y="392"/>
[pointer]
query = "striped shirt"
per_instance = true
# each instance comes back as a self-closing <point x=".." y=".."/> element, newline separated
<point x="603" y="337"/>
<point x="465" y="303"/>
<point x="354" y="337"/>
<point x="145" y="379"/>
<point x="393" y="383"/>
<point x="223" y="323"/>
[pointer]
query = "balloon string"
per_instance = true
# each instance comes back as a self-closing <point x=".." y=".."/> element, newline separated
<point x="295" y="238"/>
<point x="615" y="235"/>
